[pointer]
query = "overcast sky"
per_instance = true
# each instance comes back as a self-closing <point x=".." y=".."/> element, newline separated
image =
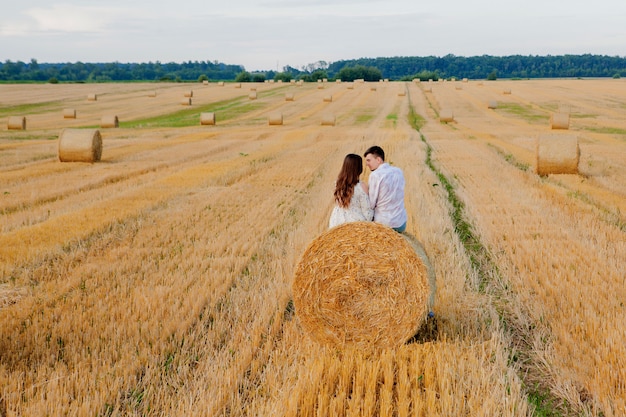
<point x="270" y="34"/>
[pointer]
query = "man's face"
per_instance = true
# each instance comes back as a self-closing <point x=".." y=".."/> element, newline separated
<point x="372" y="161"/>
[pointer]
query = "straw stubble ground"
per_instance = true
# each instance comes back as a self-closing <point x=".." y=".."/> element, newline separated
<point x="157" y="282"/>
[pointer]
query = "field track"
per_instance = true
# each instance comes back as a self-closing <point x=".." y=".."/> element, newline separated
<point x="157" y="281"/>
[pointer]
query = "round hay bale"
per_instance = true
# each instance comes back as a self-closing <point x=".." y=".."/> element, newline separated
<point x="559" y="121"/>
<point x="205" y="82"/>
<point x="92" y="97"/>
<point x="237" y="85"/>
<point x="109" y="122"/>
<point x="458" y="87"/>
<point x="80" y="145"/>
<point x="506" y="91"/>
<point x="252" y="95"/>
<point x="16" y="123"/>
<point x="186" y="101"/>
<point x="428" y="90"/>
<point x="69" y="113"/>
<point x="188" y="93"/>
<point x="493" y="104"/>
<point x="152" y="94"/>
<point x="289" y="97"/>
<point x="328" y="98"/>
<point x="320" y="85"/>
<point x="328" y="120"/>
<point x="373" y="88"/>
<point x="446" y="116"/>
<point x="401" y="93"/>
<point x="275" y="119"/>
<point x="557" y="154"/>
<point x="350" y="86"/>
<point x="207" y="118"/>
<point x="220" y="84"/>
<point x="361" y="284"/>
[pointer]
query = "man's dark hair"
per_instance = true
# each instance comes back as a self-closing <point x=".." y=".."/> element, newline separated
<point x="376" y="150"/>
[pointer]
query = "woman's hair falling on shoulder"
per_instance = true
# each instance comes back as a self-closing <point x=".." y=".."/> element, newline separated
<point x="348" y="177"/>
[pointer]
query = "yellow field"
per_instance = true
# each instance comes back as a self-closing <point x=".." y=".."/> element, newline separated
<point x="158" y="281"/>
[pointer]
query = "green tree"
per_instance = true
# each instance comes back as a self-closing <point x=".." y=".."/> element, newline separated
<point x="243" y="77"/>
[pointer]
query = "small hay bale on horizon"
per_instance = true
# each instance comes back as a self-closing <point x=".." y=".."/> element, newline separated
<point x="188" y="93"/>
<point x="252" y="95"/>
<point x="328" y="98"/>
<point x="16" y="123"/>
<point x="289" y="97"/>
<point x="361" y="284"/>
<point x="80" y="145"/>
<point x="92" y="97"/>
<point x="493" y="104"/>
<point x="207" y="118"/>
<point x="557" y="154"/>
<point x="109" y="121"/>
<point x="186" y="101"/>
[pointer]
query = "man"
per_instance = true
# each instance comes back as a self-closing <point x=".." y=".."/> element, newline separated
<point x="386" y="190"/>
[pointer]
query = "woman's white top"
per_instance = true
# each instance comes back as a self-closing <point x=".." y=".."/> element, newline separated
<point x="359" y="209"/>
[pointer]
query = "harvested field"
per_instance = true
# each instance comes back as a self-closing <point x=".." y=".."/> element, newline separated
<point x="157" y="281"/>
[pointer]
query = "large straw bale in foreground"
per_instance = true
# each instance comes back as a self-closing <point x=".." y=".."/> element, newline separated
<point x="361" y="284"/>
<point x="80" y="145"/>
<point x="557" y="154"/>
<point x="207" y="118"/>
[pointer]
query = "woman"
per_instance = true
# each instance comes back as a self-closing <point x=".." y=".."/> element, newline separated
<point x="352" y="203"/>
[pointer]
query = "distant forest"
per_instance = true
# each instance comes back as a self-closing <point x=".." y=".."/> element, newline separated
<point x="372" y="69"/>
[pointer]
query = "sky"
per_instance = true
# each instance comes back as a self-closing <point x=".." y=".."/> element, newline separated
<point x="271" y="34"/>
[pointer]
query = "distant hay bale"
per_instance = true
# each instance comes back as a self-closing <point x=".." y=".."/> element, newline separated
<point x="92" y="97"/>
<point x="372" y="88"/>
<point x="458" y="87"/>
<point x="16" y="123"/>
<point x="559" y="121"/>
<point x="328" y="120"/>
<point x="188" y="93"/>
<point x="275" y="119"/>
<point x="289" y="97"/>
<point x="252" y="88"/>
<point x="338" y="81"/>
<point x="557" y="154"/>
<point x="401" y="93"/>
<point x="417" y="80"/>
<point x="465" y="80"/>
<point x="207" y="118"/>
<point x="252" y="95"/>
<point x="493" y="104"/>
<point x="186" y="101"/>
<point x="320" y="85"/>
<point x="328" y="98"/>
<point x="506" y="91"/>
<point x="220" y="84"/>
<point x="80" y="145"/>
<point x="237" y="85"/>
<point x="152" y="94"/>
<point x="69" y="113"/>
<point x="361" y="284"/>
<point x="446" y="116"/>
<point x="205" y="82"/>
<point x="350" y="86"/>
<point x="428" y="89"/>
<point x="109" y="122"/>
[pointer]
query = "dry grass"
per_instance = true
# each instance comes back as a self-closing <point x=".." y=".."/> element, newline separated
<point x="158" y="280"/>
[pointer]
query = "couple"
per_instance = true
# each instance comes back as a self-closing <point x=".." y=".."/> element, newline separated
<point x="382" y="201"/>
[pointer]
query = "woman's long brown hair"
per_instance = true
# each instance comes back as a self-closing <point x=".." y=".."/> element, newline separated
<point x="347" y="179"/>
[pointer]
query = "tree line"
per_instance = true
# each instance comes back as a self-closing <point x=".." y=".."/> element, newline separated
<point x="369" y="69"/>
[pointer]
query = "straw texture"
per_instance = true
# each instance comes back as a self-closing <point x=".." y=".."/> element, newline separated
<point x="69" y="113"/>
<point x="559" y="121"/>
<point x="207" y="118"/>
<point x="361" y="284"/>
